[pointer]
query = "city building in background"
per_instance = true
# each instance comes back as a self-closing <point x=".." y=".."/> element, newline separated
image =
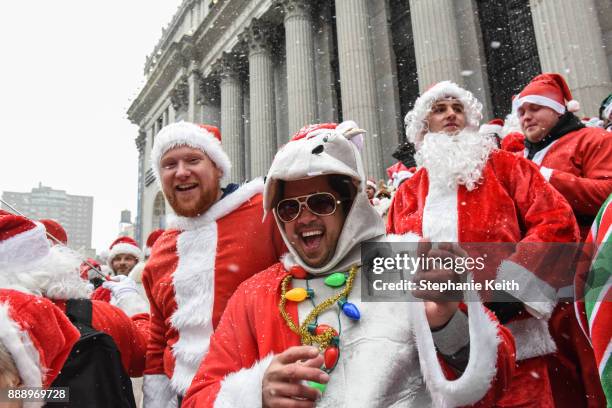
<point x="73" y="212"/>
<point x="126" y="227"/>
<point x="261" y="69"/>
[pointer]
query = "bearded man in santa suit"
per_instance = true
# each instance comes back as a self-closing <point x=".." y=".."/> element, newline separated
<point x="215" y="240"/>
<point x="465" y="190"/>
<point x="577" y="161"/>
<point x="377" y="354"/>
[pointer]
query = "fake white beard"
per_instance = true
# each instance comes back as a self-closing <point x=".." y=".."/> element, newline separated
<point x="454" y="160"/>
<point x="56" y="276"/>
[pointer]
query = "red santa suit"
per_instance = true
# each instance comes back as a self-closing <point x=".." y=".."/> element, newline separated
<point x="488" y="213"/>
<point x="194" y="268"/>
<point x="389" y="357"/>
<point x="579" y="166"/>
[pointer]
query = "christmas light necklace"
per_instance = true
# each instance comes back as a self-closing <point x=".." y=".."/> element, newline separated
<point x="327" y="338"/>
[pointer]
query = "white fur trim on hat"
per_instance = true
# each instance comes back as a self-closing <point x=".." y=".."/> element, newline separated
<point x="414" y="120"/>
<point x="487" y="129"/>
<point x="192" y="135"/>
<point x="25" y="247"/>
<point x="123" y="248"/>
<point x="542" y="101"/>
<point x="23" y="352"/>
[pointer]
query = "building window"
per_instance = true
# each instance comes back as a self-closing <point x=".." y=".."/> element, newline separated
<point x="510" y="49"/>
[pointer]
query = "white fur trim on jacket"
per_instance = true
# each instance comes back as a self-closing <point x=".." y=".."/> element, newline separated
<point x="533" y="291"/>
<point x="123" y="248"/>
<point x="532" y="338"/>
<point x="219" y="209"/>
<point x="480" y="371"/>
<point x="194" y="283"/>
<point x="131" y="303"/>
<point x="157" y="392"/>
<point x="243" y="388"/>
<point x="136" y="272"/>
<point x="17" y="342"/>
<point x="192" y="135"/>
<point x="25" y="247"/>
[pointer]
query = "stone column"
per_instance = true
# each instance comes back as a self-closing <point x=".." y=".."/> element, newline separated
<point x="141" y="143"/>
<point x="569" y="42"/>
<point x="436" y="42"/>
<point x="358" y="82"/>
<point x="193" y="82"/>
<point x="209" y="101"/>
<point x="231" y="115"/>
<point x="258" y="37"/>
<point x="301" y="86"/>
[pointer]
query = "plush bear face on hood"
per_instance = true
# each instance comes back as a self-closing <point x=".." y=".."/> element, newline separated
<point x="323" y="150"/>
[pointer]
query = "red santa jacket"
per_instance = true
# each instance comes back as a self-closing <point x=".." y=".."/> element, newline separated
<point x="130" y="334"/>
<point x="252" y="331"/>
<point x="513" y="203"/>
<point x="194" y="268"/>
<point x="579" y="166"/>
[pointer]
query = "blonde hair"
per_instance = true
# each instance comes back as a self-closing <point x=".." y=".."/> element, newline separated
<point x="9" y="376"/>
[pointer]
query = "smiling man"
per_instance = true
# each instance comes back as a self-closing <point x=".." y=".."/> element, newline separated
<point x="465" y="190"/>
<point x="262" y="352"/>
<point x="214" y="241"/>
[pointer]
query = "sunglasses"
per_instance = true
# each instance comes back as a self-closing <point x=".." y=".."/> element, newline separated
<point x="321" y="204"/>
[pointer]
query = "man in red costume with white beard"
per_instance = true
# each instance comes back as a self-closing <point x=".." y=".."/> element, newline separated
<point x="216" y="240"/>
<point x="465" y="190"/>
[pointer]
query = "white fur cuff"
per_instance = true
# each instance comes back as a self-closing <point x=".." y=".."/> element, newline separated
<point x="157" y="392"/>
<point x="533" y="291"/>
<point x="532" y="338"/>
<point x="243" y="388"/>
<point x="482" y="365"/>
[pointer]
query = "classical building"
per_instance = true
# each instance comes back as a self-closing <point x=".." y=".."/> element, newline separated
<point x="73" y="212"/>
<point x="261" y="69"/>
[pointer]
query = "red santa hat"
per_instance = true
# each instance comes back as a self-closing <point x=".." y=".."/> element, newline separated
<point x="550" y="90"/>
<point x="124" y="245"/>
<point x="37" y="335"/>
<point x="494" y="126"/>
<point x="153" y="236"/>
<point x="56" y="230"/>
<point x="414" y="120"/>
<point x="87" y="271"/>
<point x="204" y="137"/>
<point x="371" y="183"/>
<point x="21" y="240"/>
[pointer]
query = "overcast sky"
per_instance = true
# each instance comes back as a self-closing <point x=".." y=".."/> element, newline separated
<point x="69" y="71"/>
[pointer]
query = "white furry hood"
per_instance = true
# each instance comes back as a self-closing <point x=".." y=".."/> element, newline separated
<point x="319" y="152"/>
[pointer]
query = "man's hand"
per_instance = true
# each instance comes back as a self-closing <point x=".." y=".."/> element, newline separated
<point x="439" y="306"/>
<point x="282" y="385"/>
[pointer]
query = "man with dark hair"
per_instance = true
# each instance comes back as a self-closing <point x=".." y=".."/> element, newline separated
<point x="575" y="159"/>
<point x="262" y="352"/>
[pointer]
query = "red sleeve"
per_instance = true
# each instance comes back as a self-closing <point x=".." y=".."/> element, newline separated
<point x="129" y="336"/>
<point x="587" y="192"/>
<point x="228" y="352"/>
<point x="157" y="329"/>
<point x="101" y="294"/>
<point x="546" y="215"/>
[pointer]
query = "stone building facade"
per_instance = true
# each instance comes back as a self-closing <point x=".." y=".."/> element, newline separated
<point x="261" y="69"/>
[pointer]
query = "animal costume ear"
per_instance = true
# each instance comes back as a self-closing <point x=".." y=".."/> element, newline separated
<point x="353" y="133"/>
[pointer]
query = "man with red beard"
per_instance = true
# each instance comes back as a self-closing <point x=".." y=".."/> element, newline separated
<point x="465" y="190"/>
<point x="215" y="240"/>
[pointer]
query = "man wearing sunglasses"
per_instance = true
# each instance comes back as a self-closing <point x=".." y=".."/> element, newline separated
<point x="262" y="352"/>
<point x="214" y="241"/>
